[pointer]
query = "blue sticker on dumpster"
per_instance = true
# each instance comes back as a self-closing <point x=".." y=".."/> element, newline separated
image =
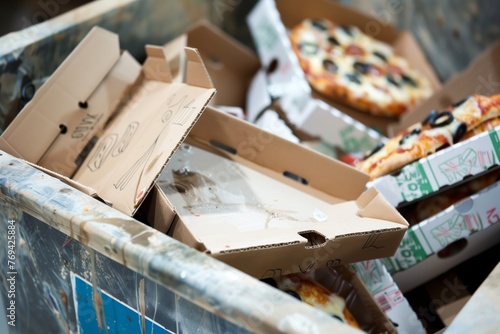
<point x="116" y="317"/>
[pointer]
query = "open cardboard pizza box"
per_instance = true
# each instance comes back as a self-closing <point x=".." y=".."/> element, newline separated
<point x="269" y="21"/>
<point x="107" y="125"/>
<point x="241" y="194"/>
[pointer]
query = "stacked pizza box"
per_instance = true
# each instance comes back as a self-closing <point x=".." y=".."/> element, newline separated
<point x="449" y="192"/>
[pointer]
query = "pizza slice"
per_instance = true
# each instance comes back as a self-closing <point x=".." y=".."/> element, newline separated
<point x="437" y="130"/>
<point x="311" y="292"/>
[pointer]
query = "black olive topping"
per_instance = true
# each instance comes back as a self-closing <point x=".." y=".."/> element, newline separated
<point x="374" y="150"/>
<point x="460" y="132"/>
<point x="333" y="40"/>
<point x="431" y="115"/>
<point x="347" y="29"/>
<point x="270" y="281"/>
<point x="409" y="80"/>
<point x="337" y="317"/>
<point x="330" y="66"/>
<point x="309" y="48"/>
<point x="361" y="67"/>
<point x="318" y="25"/>
<point x="442" y="119"/>
<point x="391" y="79"/>
<point x="413" y="132"/>
<point x="459" y="103"/>
<point x="380" y="55"/>
<point x="354" y="78"/>
<point x="293" y="294"/>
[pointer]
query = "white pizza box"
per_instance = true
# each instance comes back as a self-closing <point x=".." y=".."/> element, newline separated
<point x="446" y="239"/>
<point x="482" y="76"/>
<point x="388" y="296"/>
<point x="268" y="23"/>
<point x="107" y="125"/>
<point x="447" y="167"/>
<point x="240" y="193"/>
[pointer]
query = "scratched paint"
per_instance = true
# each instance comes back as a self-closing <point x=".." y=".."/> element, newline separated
<point x="120" y="317"/>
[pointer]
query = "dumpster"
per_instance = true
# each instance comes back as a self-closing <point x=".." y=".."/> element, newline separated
<point x="76" y="265"/>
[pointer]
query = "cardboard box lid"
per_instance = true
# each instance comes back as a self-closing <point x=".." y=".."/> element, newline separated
<point x="128" y="118"/>
<point x="482" y="76"/>
<point x="313" y="195"/>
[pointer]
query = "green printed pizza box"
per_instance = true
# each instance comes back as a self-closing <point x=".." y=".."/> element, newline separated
<point x="447" y="238"/>
<point x="269" y="22"/>
<point x="106" y="124"/>
<point x="448" y="167"/>
<point x="387" y="294"/>
<point x="268" y="206"/>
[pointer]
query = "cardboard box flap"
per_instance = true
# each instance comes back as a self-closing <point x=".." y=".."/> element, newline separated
<point x="196" y="72"/>
<point x="56" y="104"/>
<point x="223" y="232"/>
<point x="273" y="47"/>
<point x="371" y="204"/>
<point x="156" y="65"/>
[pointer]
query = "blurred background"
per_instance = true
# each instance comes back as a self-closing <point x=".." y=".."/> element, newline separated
<point x="20" y="14"/>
